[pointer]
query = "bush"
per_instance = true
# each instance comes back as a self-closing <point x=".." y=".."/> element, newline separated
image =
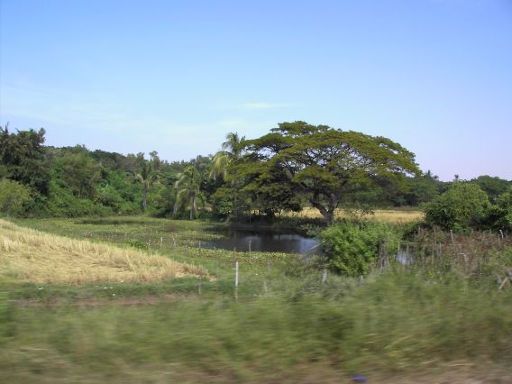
<point x="504" y="211"/>
<point x="353" y="248"/>
<point x="463" y="206"/>
<point x="62" y="203"/>
<point x="13" y="197"/>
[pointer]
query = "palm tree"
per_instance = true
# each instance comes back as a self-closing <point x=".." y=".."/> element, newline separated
<point x="231" y="151"/>
<point x="147" y="175"/>
<point x="188" y="188"/>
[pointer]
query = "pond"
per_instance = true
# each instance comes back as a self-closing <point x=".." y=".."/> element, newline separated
<point x="264" y="241"/>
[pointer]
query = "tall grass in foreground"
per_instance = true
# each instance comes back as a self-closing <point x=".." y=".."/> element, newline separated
<point x="391" y="322"/>
<point x="30" y="255"/>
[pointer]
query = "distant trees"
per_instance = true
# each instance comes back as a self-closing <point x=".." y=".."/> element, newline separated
<point x="227" y="199"/>
<point x="189" y="193"/>
<point x="22" y="159"/>
<point x="295" y="165"/>
<point x="77" y="171"/>
<point x="493" y="186"/>
<point x="147" y="174"/>
<point x="466" y="206"/>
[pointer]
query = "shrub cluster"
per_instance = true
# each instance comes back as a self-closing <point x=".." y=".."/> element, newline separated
<point x="466" y="206"/>
<point x="353" y="248"/>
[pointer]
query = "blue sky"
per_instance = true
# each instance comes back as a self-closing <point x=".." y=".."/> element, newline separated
<point x="176" y="76"/>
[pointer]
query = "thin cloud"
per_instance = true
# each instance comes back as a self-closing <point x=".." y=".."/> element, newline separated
<point x="259" y="105"/>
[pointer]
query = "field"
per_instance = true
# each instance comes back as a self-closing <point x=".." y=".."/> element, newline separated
<point x="385" y="215"/>
<point x="32" y="256"/>
<point x="188" y="324"/>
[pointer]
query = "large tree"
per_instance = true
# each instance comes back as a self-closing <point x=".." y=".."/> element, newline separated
<point x="325" y="163"/>
<point x="22" y="158"/>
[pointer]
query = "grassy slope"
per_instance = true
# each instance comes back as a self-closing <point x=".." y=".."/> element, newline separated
<point x="285" y="327"/>
<point x="32" y="256"/>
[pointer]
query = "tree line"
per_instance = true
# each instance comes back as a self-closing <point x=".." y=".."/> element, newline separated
<point x="293" y="166"/>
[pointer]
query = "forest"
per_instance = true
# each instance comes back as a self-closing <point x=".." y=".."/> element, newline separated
<point x="261" y="177"/>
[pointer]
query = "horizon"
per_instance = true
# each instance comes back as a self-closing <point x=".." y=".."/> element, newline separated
<point x="432" y="75"/>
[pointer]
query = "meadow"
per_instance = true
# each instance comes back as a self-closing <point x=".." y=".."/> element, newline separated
<point x="394" y="216"/>
<point x="442" y="320"/>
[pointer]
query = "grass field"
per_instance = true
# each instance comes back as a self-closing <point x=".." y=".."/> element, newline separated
<point x="393" y="216"/>
<point x="428" y="324"/>
<point x="32" y="256"/>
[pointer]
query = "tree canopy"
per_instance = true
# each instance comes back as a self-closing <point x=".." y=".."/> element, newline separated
<point x="325" y="163"/>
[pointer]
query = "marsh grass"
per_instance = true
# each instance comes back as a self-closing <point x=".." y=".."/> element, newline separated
<point x="32" y="256"/>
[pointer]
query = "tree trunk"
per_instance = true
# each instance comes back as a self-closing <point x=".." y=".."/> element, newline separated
<point x="193" y="209"/>
<point x="329" y="216"/>
<point x="328" y="212"/>
<point x="144" y="198"/>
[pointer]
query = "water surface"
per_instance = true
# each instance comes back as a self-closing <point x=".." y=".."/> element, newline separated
<point x="264" y="241"/>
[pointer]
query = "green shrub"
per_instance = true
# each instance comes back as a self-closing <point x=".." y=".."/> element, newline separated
<point x="13" y="197"/>
<point x="463" y="206"/>
<point x="504" y="211"/>
<point x="353" y="248"/>
<point x="62" y="203"/>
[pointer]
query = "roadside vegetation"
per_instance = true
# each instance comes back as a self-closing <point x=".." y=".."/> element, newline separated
<point x="108" y="273"/>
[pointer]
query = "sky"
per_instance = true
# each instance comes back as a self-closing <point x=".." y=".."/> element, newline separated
<point x="177" y="76"/>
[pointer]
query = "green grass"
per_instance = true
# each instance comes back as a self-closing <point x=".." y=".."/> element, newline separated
<point x="285" y="327"/>
<point x="392" y="323"/>
<point x="178" y="239"/>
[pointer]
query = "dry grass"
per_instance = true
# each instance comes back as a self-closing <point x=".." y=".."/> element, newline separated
<point x="384" y="215"/>
<point x="34" y="256"/>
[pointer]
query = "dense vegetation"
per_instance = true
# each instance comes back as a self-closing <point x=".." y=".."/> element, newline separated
<point x="101" y="301"/>
<point x="294" y="166"/>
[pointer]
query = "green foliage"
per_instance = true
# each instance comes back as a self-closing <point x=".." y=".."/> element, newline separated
<point x="323" y="163"/>
<point x="223" y="202"/>
<point x="418" y="190"/>
<point x="189" y="195"/>
<point x="493" y="186"/>
<point x="76" y="171"/>
<point x="463" y="206"/>
<point x="353" y="249"/>
<point x="147" y="174"/>
<point x="13" y="197"/>
<point x="63" y="203"/>
<point x="500" y="216"/>
<point x="22" y="158"/>
<point x="504" y="205"/>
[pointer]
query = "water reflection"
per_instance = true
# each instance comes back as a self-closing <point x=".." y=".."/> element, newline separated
<point x="265" y="241"/>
